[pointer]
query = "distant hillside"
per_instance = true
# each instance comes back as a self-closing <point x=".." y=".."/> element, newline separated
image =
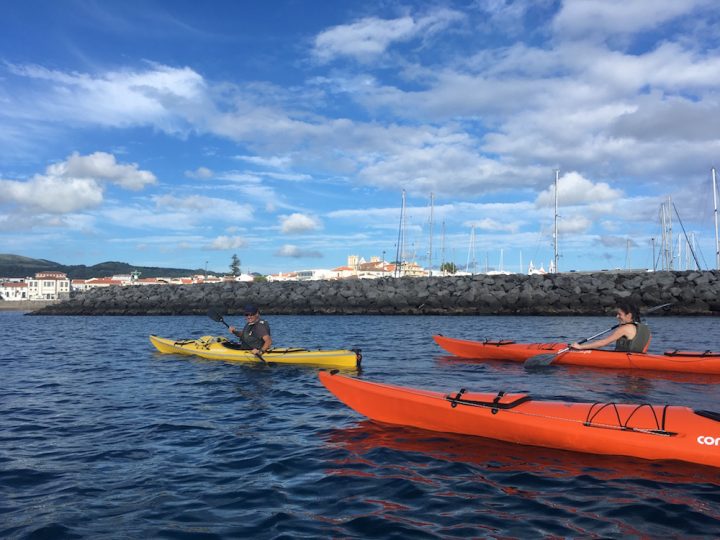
<point x="18" y="266"/>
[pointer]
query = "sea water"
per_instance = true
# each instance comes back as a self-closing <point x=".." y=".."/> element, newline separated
<point x="103" y="437"/>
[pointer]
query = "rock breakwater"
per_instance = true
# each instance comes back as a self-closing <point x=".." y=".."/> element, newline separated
<point x="691" y="293"/>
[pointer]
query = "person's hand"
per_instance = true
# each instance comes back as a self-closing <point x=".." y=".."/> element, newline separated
<point x="232" y="329"/>
<point x="575" y="346"/>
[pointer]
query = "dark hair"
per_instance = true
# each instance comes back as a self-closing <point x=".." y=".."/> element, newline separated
<point x="632" y="309"/>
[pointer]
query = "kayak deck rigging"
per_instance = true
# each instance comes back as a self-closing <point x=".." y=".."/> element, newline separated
<point x="594" y="410"/>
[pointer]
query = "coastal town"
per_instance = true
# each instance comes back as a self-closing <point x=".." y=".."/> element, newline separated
<point x="51" y="286"/>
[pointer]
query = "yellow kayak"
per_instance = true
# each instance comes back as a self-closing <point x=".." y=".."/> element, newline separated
<point x="219" y="348"/>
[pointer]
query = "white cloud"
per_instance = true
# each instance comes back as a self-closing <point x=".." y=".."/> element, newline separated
<point x="74" y="184"/>
<point x="574" y="189"/>
<point x="489" y="224"/>
<point x="276" y="162"/>
<point x="289" y="250"/>
<point x="198" y="207"/>
<point x="574" y="224"/>
<point x="443" y="167"/>
<point x="201" y="173"/>
<point x="52" y="194"/>
<point x="299" y="223"/>
<point x="138" y="217"/>
<point x="617" y="241"/>
<point x="103" y="166"/>
<point x="170" y="98"/>
<point x="227" y="242"/>
<point x="370" y="37"/>
<point x="583" y="18"/>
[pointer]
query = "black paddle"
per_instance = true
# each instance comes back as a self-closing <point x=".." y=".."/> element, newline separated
<point x="215" y="316"/>
<point x="542" y="360"/>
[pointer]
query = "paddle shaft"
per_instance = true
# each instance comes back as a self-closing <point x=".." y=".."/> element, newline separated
<point x="547" y="359"/>
<point x="652" y="309"/>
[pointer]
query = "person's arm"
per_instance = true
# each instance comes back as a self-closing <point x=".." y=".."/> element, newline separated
<point x="267" y="343"/>
<point x="619" y="332"/>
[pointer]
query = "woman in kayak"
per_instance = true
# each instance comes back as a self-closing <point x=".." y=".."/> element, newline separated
<point x="629" y="336"/>
<point x="255" y="336"/>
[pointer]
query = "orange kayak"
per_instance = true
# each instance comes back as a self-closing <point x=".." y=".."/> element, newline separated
<point x="636" y="430"/>
<point x="681" y="361"/>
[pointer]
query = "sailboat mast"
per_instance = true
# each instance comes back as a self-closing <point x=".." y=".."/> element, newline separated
<point x="400" y="252"/>
<point x="717" y="241"/>
<point x="471" y="252"/>
<point x="555" y="233"/>
<point x="442" y="249"/>
<point x="432" y="202"/>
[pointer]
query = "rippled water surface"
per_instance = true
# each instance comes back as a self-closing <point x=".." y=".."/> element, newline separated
<point x="102" y="437"/>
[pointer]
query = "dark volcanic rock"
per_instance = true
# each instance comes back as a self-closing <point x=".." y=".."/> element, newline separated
<point x="690" y="292"/>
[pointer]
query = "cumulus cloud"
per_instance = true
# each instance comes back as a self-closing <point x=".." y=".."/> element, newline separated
<point x="371" y="36"/>
<point x="227" y="242"/>
<point x="574" y="189"/>
<point x="53" y="194"/>
<point x="438" y="164"/>
<point x="299" y="223"/>
<point x="574" y="224"/>
<point x="583" y="18"/>
<point x="73" y="185"/>
<point x="295" y="252"/>
<point x="103" y="166"/>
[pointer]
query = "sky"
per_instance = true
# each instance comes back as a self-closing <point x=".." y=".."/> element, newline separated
<point x="178" y="133"/>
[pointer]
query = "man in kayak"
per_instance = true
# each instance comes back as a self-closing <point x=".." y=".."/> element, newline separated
<point x="629" y="336"/>
<point x="255" y="336"/>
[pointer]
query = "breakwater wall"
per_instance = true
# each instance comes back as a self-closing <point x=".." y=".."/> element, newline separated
<point x="691" y="293"/>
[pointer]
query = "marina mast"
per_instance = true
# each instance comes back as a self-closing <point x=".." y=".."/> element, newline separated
<point x="715" y="203"/>
<point x="400" y="252"/>
<point x="555" y="230"/>
<point x="432" y="203"/>
<point x="471" y="252"/>
<point x="666" y="241"/>
<point x="442" y="249"/>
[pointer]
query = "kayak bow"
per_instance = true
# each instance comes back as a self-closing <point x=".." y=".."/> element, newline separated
<point x="219" y="348"/>
<point x="638" y="430"/>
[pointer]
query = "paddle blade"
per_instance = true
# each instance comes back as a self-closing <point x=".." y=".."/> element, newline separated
<point x="540" y="360"/>
<point x="215" y="316"/>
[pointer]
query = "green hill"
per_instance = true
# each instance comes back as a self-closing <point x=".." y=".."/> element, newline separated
<point x="17" y="266"/>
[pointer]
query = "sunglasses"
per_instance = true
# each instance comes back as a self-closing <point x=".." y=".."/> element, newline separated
<point x="250" y="314"/>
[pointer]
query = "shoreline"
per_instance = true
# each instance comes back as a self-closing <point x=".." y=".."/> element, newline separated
<point x="26" y="305"/>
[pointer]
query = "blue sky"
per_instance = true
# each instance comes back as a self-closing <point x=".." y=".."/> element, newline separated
<point x="177" y="133"/>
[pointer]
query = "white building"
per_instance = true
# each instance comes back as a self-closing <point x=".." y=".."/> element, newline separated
<point x="48" y="286"/>
<point x="13" y="290"/>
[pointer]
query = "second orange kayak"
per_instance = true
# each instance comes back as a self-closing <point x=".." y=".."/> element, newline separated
<point x="678" y="361"/>
<point x="637" y="430"/>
